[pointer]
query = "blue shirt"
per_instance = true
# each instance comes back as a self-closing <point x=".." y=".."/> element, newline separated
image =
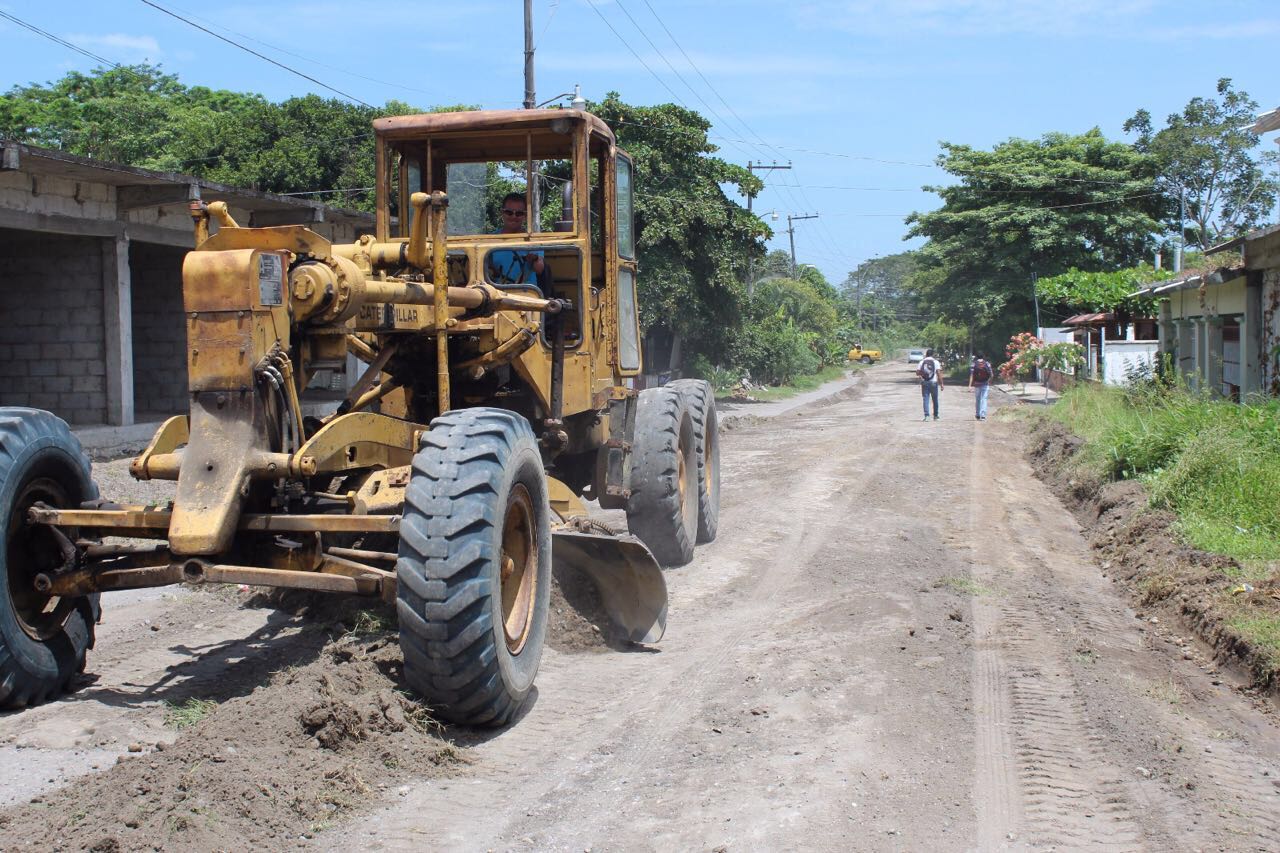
<point x="505" y="266"/>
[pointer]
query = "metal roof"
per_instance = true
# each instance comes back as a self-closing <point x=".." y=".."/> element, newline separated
<point x="1089" y="319"/>
<point x="1266" y="122"/>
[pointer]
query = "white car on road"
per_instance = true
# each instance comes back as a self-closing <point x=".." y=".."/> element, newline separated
<point x="915" y="356"/>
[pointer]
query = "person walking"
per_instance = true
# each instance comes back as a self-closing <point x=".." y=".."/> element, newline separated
<point x="980" y="374"/>
<point x="930" y="373"/>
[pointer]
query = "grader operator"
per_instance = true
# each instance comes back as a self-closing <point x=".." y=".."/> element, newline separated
<point x="456" y="467"/>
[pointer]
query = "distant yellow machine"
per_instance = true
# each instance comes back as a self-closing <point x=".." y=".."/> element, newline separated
<point x="487" y="410"/>
<point x="866" y="356"/>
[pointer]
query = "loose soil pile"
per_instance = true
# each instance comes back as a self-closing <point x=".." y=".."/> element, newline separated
<point x="1140" y="546"/>
<point x="266" y="770"/>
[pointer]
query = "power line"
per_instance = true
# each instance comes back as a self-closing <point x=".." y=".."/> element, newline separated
<point x="33" y="28"/>
<point x="189" y="22"/>
<point x="663" y="57"/>
<point x="304" y="58"/>
<point x="628" y="46"/>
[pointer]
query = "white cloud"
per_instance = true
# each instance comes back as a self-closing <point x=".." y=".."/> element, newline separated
<point x="119" y="42"/>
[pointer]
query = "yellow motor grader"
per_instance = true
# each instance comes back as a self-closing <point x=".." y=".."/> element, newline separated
<point x="489" y="405"/>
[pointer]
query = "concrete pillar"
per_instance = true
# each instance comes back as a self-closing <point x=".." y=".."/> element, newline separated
<point x="1199" y="369"/>
<point x="117" y="311"/>
<point x="1213" y="355"/>
<point x="1251" y="340"/>
<point x="1186" y="361"/>
<point x="1166" y="333"/>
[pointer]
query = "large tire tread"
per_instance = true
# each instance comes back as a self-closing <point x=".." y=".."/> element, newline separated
<point x="654" y="510"/>
<point x="447" y="550"/>
<point x="31" y="671"/>
<point x="700" y="398"/>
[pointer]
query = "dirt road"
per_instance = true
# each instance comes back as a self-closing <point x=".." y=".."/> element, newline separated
<point x="899" y="641"/>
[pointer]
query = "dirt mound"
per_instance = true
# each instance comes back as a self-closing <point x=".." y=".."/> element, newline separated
<point x="264" y="770"/>
<point x="577" y="621"/>
<point x="1138" y="544"/>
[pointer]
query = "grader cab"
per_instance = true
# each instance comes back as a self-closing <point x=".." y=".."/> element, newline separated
<point x="493" y="399"/>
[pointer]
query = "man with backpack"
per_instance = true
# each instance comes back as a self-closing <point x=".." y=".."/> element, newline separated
<point x="930" y="373"/>
<point x="980" y="375"/>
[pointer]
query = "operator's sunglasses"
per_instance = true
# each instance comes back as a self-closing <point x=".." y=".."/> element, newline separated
<point x="508" y="212"/>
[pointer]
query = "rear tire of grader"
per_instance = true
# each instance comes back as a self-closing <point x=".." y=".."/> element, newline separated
<point x="43" y="639"/>
<point x="663" y="507"/>
<point x="474" y="568"/>
<point x="701" y="400"/>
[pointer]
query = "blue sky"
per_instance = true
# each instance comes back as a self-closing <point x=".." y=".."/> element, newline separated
<point x="856" y="94"/>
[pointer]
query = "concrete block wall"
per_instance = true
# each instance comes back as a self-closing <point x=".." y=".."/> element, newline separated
<point x="49" y="194"/>
<point x="52" y="350"/>
<point x="159" y="332"/>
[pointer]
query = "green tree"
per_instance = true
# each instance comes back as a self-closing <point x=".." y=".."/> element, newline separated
<point x="694" y="241"/>
<point x="881" y="287"/>
<point x="1206" y="155"/>
<point x="141" y="116"/>
<point x="1027" y="206"/>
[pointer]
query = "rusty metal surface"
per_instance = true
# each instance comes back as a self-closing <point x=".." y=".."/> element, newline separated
<point x="147" y="518"/>
<point x="361" y="440"/>
<point x="266" y="307"/>
<point x="172" y="433"/>
<point x="632" y="588"/>
<point x="394" y="127"/>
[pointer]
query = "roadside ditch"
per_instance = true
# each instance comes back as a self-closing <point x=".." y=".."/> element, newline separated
<point x="1170" y="581"/>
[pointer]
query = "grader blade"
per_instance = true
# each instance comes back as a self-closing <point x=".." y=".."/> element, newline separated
<point x="631" y="586"/>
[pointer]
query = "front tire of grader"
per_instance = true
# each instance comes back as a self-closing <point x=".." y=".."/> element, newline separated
<point x="701" y="400"/>
<point x="474" y="568"/>
<point x="663" y="507"/>
<point x="43" y="639"/>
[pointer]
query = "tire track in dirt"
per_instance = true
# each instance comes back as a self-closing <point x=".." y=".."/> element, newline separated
<point x="609" y="751"/>
<point x="1043" y="776"/>
<point x="1220" y="773"/>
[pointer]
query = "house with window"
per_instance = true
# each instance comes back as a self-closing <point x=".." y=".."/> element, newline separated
<point x="1218" y="324"/>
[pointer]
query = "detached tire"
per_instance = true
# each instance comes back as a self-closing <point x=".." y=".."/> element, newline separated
<point x="663" y="507"/>
<point x="474" y="568"/>
<point x="701" y="402"/>
<point x="43" y="639"/>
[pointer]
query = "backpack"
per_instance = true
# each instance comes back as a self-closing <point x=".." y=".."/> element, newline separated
<point x="928" y="370"/>
<point x="981" y="371"/>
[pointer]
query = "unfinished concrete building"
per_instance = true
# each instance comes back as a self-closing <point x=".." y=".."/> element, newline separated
<point x="91" y="323"/>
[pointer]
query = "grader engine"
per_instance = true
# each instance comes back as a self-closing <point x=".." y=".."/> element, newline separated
<point x="492" y="401"/>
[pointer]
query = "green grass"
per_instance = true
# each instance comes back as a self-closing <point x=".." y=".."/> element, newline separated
<point x="1263" y="632"/>
<point x="367" y="622"/>
<point x="180" y="715"/>
<point x="799" y="385"/>
<point x="1215" y="464"/>
<point x="965" y="586"/>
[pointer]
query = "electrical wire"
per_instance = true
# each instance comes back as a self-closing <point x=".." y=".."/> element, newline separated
<point x="51" y="37"/>
<point x="622" y="8"/>
<point x="189" y="22"/>
<point x="303" y="57"/>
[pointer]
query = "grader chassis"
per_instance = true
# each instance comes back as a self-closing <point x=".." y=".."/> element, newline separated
<point x="485" y="409"/>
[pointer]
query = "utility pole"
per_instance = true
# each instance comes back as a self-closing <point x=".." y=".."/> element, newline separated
<point x="751" y="262"/>
<point x="1182" y="228"/>
<point x="791" y="232"/>
<point x="1035" y="295"/>
<point x="534" y="222"/>
<point x="530" y="99"/>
